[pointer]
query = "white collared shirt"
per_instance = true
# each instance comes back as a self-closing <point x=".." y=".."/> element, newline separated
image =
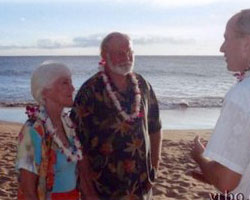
<point x="229" y="144"/>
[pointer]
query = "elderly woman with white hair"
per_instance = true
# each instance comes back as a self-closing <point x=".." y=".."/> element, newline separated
<point x="48" y="149"/>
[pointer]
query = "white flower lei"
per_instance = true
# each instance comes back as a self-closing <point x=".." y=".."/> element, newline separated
<point x="116" y="102"/>
<point x="72" y="154"/>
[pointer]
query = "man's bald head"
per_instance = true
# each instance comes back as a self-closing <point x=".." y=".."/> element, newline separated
<point x="111" y="38"/>
<point x="242" y="23"/>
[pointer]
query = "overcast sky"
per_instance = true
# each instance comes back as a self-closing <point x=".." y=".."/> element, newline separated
<point x="76" y="27"/>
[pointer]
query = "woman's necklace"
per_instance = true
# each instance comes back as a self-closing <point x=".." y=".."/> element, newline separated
<point x="72" y="153"/>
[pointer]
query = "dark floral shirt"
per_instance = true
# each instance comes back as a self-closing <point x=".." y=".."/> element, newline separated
<point x="118" y="150"/>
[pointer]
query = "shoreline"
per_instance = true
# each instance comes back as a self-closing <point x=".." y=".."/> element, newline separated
<point x="174" y="119"/>
<point x="17" y="125"/>
<point x="173" y="182"/>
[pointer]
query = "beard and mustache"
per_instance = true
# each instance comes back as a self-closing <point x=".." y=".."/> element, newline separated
<point x="122" y="68"/>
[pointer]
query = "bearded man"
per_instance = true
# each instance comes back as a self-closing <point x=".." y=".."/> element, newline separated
<point x="117" y="120"/>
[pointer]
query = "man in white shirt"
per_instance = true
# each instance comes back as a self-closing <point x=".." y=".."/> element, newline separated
<point x="225" y="161"/>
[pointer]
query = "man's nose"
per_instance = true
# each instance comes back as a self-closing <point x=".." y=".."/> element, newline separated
<point x="222" y="48"/>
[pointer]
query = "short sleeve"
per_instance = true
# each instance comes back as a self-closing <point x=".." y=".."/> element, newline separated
<point x="154" y="122"/>
<point x="29" y="149"/>
<point x="229" y="144"/>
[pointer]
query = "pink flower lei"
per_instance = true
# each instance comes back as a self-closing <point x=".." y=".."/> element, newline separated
<point x="241" y="75"/>
<point x="72" y="154"/>
<point x="112" y="95"/>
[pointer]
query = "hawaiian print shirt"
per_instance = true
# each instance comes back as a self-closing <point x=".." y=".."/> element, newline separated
<point x="37" y="153"/>
<point x="118" y="150"/>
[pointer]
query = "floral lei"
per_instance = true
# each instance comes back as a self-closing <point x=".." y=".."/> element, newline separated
<point x="136" y="113"/>
<point x="241" y="75"/>
<point x="72" y="154"/>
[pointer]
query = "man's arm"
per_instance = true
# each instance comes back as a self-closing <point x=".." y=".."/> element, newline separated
<point x="213" y="172"/>
<point x="156" y="142"/>
<point x="154" y="128"/>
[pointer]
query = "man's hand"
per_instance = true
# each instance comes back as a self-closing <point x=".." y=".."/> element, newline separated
<point x="196" y="153"/>
<point x="86" y="178"/>
<point x="223" y="178"/>
<point x="197" y="149"/>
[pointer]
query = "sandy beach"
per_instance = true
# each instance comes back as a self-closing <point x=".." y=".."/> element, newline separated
<point x="173" y="181"/>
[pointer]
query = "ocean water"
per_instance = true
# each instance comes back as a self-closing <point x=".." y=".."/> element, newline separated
<point x="190" y="89"/>
<point x="178" y="81"/>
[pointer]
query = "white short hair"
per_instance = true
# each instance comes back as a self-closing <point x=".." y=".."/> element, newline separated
<point x="44" y="76"/>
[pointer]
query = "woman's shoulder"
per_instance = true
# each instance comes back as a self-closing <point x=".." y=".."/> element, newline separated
<point x="34" y="127"/>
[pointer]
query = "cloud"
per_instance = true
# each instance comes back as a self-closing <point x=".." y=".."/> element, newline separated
<point x="89" y="41"/>
<point x="48" y="44"/>
<point x="95" y="40"/>
<point x="162" y="40"/>
<point x="8" y="47"/>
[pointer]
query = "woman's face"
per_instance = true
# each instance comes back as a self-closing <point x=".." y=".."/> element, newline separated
<point x="61" y="92"/>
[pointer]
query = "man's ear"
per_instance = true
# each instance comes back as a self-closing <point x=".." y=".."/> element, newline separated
<point x="104" y="55"/>
<point x="45" y="92"/>
<point x="247" y="46"/>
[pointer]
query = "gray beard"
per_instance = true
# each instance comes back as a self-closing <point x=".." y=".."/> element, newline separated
<point x="121" y="69"/>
